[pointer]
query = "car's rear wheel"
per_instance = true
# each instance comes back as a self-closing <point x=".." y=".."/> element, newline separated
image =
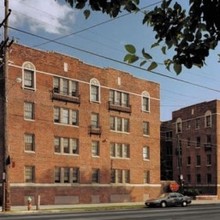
<point x="163" y="204"/>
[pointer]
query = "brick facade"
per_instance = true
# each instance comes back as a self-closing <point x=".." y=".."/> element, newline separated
<point x="195" y="141"/>
<point x="43" y="159"/>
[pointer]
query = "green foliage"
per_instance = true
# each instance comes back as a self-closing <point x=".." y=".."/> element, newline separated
<point x="191" y="35"/>
<point x="110" y="7"/>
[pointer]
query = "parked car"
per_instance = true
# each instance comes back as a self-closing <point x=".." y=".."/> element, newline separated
<point x="169" y="199"/>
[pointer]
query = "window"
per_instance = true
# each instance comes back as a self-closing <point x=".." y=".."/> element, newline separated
<point x="29" y="142"/>
<point x="56" y="115"/>
<point x="66" y="116"/>
<point x="75" y="117"/>
<point x="188" y="125"/>
<point x="188" y="142"/>
<point x="95" y="120"/>
<point x="145" y="101"/>
<point x="66" y="145"/>
<point x="74" y="146"/>
<point x="56" y="84"/>
<point x="209" y="178"/>
<point x="95" y="175"/>
<point x="65" y="86"/>
<point x="146" y="128"/>
<point x="198" y="160"/>
<point x="119" y="98"/>
<point x="198" y="178"/>
<point x="197" y="125"/>
<point x="208" y="119"/>
<point x="29" y="110"/>
<point x="169" y="136"/>
<point x="95" y="148"/>
<point x="119" y="124"/>
<point x="147" y="176"/>
<point x="208" y="139"/>
<point x="119" y="150"/>
<point x="146" y="153"/>
<point x="29" y="73"/>
<point x="57" y="175"/>
<point x="120" y="176"/>
<point x="57" y="145"/>
<point x="94" y="90"/>
<point x="188" y="160"/>
<point x="209" y="159"/>
<point x="29" y="174"/>
<point x="198" y="141"/>
<point x="179" y="125"/>
<point x="75" y="175"/>
<point x="66" y="175"/>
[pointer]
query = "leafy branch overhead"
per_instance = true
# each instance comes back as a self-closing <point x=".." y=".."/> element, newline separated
<point x="190" y="34"/>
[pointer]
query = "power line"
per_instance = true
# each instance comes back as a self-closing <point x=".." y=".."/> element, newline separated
<point x="94" y="26"/>
<point x="114" y="60"/>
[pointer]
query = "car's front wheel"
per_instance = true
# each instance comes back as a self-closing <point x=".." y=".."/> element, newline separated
<point x="163" y="204"/>
<point x="184" y="203"/>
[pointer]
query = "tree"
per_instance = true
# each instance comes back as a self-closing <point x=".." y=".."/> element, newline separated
<point x="190" y="34"/>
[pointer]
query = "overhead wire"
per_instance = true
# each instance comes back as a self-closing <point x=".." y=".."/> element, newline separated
<point x="95" y="25"/>
<point x="115" y="60"/>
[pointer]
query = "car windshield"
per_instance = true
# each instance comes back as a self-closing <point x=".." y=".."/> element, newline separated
<point x="163" y="195"/>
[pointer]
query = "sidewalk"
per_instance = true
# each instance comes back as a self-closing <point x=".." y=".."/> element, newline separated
<point x="89" y="207"/>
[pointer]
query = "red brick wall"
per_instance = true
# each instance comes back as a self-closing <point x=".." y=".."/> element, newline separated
<point x="48" y="64"/>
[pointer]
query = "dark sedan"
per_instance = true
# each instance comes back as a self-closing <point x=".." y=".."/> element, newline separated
<point x="169" y="199"/>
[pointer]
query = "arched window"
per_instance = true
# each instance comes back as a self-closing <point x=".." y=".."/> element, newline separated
<point x="208" y="119"/>
<point x="29" y="76"/>
<point x="179" y="125"/>
<point x="94" y="90"/>
<point x="145" y="102"/>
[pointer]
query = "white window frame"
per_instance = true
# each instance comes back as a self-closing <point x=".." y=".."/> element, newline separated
<point x="95" y="148"/>
<point x="119" y="124"/>
<point x="28" y="66"/>
<point x="71" y="145"/>
<point x="208" y="119"/>
<point x="29" y="142"/>
<point x="145" y="96"/>
<point x="28" y="110"/>
<point x="71" y="116"/>
<point x="146" y="128"/>
<point x="179" y="125"/>
<point x="146" y="176"/>
<point x="146" y="153"/>
<point x="94" y="83"/>
<point x="95" y="175"/>
<point x="29" y="174"/>
<point x="120" y="150"/>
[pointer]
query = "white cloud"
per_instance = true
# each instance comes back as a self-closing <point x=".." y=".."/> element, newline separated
<point x="41" y="15"/>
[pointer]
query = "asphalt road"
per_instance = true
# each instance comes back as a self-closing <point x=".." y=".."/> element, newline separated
<point x="196" y="212"/>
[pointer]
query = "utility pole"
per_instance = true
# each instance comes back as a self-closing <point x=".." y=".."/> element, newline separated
<point x="6" y="200"/>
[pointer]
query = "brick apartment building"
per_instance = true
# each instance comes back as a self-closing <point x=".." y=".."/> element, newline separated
<point x="79" y="133"/>
<point x="195" y="134"/>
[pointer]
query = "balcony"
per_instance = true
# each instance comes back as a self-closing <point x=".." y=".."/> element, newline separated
<point x="119" y="107"/>
<point x="208" y="147"/>
<point x="73" y="97"/>
<point x="96" y="130"/>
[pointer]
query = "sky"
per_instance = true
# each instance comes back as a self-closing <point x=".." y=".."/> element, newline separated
<point x="100" y="41"/>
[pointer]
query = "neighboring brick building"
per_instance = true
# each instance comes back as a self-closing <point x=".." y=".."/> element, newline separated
<point x="196" y="141"/>
<point x="79" y="133"/>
